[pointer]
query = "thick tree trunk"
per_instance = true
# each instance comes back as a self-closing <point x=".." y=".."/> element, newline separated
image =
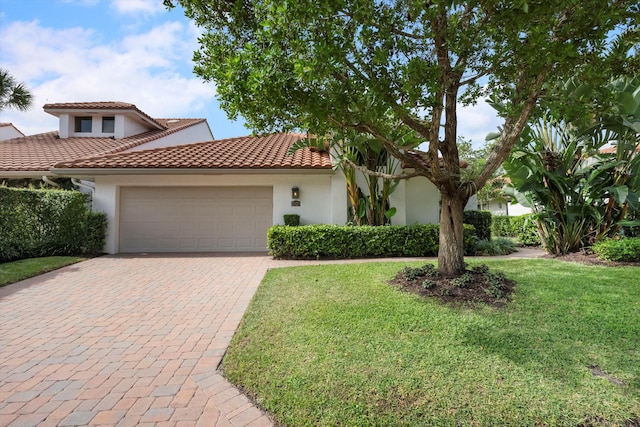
<point x="451" y="250"/>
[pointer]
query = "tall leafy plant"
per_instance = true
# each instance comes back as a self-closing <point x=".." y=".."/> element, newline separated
<point x="580" y="195"/>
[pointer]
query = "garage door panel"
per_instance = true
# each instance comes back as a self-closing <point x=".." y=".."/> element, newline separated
<point x="174" y="219"/>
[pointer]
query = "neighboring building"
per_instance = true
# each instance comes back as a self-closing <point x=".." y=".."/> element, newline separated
<point x="167" y="186"/>
<point x="505" y="208"/>
<point x="9" y="131"/>
<point x="88" y="129"/>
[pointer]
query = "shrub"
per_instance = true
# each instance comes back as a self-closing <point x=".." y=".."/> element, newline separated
<point x="626" y="250"/>
<point x="481" y="220"/>
<point x="499" y="246"/>
<point x="292" y="220"/>
<point x="333" y="241"/>
<point x="501" y="226"/>
<point x="96" y="233"/>
<point x="37" y="223"/>
<point x="525" y="230"/>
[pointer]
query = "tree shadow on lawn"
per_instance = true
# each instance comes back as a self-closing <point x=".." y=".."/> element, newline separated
<point x="562" y="354"/>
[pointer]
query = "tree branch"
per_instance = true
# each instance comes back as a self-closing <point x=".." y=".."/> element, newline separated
<point x="380" y="174"/>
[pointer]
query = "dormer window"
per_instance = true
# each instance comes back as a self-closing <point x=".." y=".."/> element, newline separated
<point x="83" y="124"/>
<point x="108" y="124"/>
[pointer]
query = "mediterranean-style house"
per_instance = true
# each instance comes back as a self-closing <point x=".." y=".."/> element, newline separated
<point x="167" y="186"/>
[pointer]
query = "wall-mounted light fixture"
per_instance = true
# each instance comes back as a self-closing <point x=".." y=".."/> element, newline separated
<point x="295" y="193"/>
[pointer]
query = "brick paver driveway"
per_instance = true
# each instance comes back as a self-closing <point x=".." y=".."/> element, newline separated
<point x="126" y="340"/>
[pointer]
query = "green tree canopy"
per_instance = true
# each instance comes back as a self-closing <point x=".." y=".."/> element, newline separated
<point x="324" y="64"/>
<point x="13" y="94"/>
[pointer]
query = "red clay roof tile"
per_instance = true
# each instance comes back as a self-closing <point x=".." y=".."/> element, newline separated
<point x="612" y="150"/>
<point x="40" y="152"/>
<point x="249" y="152"/>
<point x="108" y="105"/>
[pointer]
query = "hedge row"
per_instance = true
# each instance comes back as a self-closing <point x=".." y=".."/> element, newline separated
<point x="48" y="222"/>
<point x="333" y="241"/>
<point x="521" y="227"/>
<point x="627" y="250"/>
<point x="481" y="220"/>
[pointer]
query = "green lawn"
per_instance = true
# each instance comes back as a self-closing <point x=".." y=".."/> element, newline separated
<point x="336" y="345"/>
<point x="11" y="272"/>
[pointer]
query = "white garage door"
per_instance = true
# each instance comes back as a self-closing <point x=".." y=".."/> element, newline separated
<point x="195" y="219"/>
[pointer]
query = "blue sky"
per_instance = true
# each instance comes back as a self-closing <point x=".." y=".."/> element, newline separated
<point x="125" y="50"/>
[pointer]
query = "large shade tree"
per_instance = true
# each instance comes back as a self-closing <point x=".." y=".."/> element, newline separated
<point x="322" y="65"/>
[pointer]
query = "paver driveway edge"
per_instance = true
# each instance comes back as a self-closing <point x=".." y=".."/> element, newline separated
<point x="129" y="340"/>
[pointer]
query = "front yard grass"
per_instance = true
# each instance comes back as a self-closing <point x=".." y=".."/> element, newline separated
<point x="11" y="272"/>
<point x="337" y="345"/>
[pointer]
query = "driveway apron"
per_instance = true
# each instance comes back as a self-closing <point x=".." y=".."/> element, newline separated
<point x="130" y="340"/>
<point x="127" y="341"/>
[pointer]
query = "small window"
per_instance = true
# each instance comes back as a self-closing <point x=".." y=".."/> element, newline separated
<point x="83" y="124"/>
<point x="108" y="124"/>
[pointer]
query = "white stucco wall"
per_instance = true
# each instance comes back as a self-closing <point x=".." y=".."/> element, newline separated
<point x="515" y="209"/>
<point x="134" y="127"/>
<point x="318" y="203"/>
<point x="9" y="132"/>
<point x="196" y="133"/>
<point x="423" y="201"/>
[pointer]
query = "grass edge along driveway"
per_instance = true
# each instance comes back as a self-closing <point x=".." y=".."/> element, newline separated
<point x="336" y="345"/>
<point x="14" y="271"/>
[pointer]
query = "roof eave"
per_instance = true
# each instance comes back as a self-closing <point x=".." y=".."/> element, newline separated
<point x="90" y="172"/>
<point x="134" y="111"/>
<point x="23" y="174"/>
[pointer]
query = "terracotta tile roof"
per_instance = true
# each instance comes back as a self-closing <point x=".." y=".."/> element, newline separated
<point x="248" y="152"/>
<point x="109" y="105"/>
<point x="612" y="150"/>
<point x="40" y="152"/>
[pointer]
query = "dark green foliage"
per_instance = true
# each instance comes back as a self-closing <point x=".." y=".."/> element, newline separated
<point x="427" y="270"/>
<point x="463" y="281"/>
<point x="292" y="220"/>
<point x="332" y="241"/>
<point x="633" y="215"/>
<point x="96" y="223"/>
<point x="626" y="250"/>
<point x="498" y="246"/>
<point x="501" y="226"/>
<point x="525" y="230"/>
<point x="428" y="284"/>
<point x="481" y="220"/>
<point x="37" y="223"/>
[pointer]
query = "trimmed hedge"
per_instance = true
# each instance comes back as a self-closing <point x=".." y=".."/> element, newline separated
<point x="481" y="220"/>
<point x="36" y="223"/>
<point x="501" y="226"/>
<point x="292" y="219"/>
<point x="525" y="229"/>
<point x="338" y="242"/>
<point x="626" y="250"/>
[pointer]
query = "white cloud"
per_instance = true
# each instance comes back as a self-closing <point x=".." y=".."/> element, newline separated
<point x="476" y="121"/>
<point x="70" y="65"/>
<point x="150" y="7"/>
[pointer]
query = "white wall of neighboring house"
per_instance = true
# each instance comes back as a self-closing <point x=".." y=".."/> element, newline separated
<point x="318" y="202"/>
<point x="197" y="133"/>
<point x="422" y="201"/>
<point x="506" y="209"/>
<point x="9" y="131"/>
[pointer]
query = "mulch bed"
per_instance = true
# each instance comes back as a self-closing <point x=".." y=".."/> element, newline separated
<point x="589" y="259"/>
<point x="479" y="285"/>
